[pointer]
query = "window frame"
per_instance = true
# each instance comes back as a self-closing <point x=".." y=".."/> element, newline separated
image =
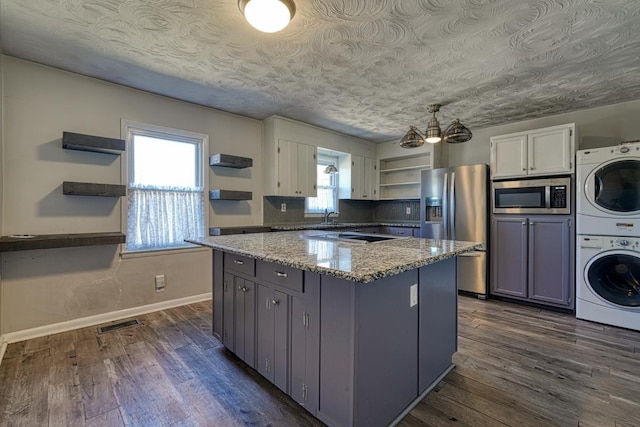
<point x="129" y="127"/>
<point x="325" y="160"/>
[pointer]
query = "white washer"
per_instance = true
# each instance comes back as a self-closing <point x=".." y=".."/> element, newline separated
<point x="608" y="191"/>
<point x="608" y="275"/>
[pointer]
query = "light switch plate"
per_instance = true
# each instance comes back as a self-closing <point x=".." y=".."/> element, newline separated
<point x="283" y="207"/>
<point x="413" y="298"/>
<point x="408" y="210"/>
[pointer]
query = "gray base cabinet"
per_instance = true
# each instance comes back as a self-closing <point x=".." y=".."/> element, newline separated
<point x="533" y="258"/>
<point x="351" y="354"/>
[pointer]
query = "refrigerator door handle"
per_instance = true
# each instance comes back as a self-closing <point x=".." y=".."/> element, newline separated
<point x="445" y="206"/>
<point x="452" y="208"/>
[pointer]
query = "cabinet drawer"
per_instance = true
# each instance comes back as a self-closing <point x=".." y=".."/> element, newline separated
<point x="400" y="231"/>
<point x="240" y="264"/>
<point x="287" y="277"/>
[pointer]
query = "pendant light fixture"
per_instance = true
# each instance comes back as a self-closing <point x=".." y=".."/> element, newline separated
<point x="455" y="133"/>
<point x="268" y="16"/>
<point x="331" y="169"/>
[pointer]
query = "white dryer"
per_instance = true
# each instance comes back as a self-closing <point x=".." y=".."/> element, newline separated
<point x="608" y="280"/>
<point x="608" y="190"/>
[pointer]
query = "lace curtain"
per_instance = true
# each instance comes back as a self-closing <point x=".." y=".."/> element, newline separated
<point x="162" y="217"/>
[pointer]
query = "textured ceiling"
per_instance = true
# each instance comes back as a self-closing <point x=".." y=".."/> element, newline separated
<point x="368" y="68"/>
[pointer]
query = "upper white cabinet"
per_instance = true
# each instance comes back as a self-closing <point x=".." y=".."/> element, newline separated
<point x="357" y="178"/>
<point x="539" y="152"/>
<point x="296" y="166"/>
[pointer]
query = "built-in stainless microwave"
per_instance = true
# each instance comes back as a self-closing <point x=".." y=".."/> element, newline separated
<point x="532" y="196"/>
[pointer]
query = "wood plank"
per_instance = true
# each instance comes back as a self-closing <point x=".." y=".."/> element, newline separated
<point x="97" y="144"/>
<point x="71" y="188"/>
<point x="96" y="390"/>
<point x="65" y="401"/>
<point x="107" y="419"/>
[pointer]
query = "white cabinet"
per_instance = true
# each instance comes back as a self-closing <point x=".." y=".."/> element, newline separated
<point x="295" y="167"/>
<point x="547" y="151"/>
<point x="357" y="178"/>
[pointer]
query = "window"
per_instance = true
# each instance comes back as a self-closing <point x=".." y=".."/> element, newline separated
<point x="165" y="187"/>
<point x="327" y="187"/>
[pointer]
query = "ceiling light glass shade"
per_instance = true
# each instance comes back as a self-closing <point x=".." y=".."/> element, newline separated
<point x="331" y="169"/>
<point x="412" y="139"/>
<point x="268" y="16"/>
<point x="433" y="132"/>
<point x="457" y="132"/>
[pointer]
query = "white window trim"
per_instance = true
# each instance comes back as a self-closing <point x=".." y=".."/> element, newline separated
<point x="320" y="159"/>
<point x="125" y="133"/>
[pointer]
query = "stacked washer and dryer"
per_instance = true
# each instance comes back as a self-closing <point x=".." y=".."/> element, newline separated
<point x="608" y="235"/>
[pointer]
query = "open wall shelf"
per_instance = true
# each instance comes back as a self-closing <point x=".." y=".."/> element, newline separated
<point x="97" y="144"/>
<point x="230" y="195"/>
<point x="91" y="189"/>
<point x="49" y="241"/>
<point x="229" y="161"/>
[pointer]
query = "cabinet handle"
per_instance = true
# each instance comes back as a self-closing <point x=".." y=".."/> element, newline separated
<point x="240" y="288"/>
<point x="524" y="223"/>
<point x="280" y="274"/>
<point x="275" y="302"/>
<point x="400" y="232"/>
<point x="524" y="169"/>
<point x="239" y="262"/>
<point x="532" y="224"/>
<point x="531" y="168"/>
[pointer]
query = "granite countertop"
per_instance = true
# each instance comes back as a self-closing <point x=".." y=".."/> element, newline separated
<point x="358" y="262"/>
<point x="316" y="226"/>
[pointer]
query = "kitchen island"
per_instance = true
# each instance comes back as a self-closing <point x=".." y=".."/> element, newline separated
<point x="357" y="333"/>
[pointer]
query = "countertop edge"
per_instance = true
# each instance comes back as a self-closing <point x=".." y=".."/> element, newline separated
<point x="364" y="278"/>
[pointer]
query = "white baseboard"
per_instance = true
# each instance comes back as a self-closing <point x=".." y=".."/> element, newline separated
<point x="83" y="322"/>
<point x="3" y="347"/>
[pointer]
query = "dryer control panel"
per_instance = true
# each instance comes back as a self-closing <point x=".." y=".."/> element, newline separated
<point x="609" y="242"/>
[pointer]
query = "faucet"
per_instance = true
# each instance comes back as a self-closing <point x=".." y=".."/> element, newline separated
<point x="326" y="216"/>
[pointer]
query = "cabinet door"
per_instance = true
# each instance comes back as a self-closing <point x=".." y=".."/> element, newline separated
<point x="218" y="294"/>
<point x="244" y="315"/>
<point x="509" y="257"/>
<point x="306" y="174"/>
<point x="549" y="152"/>
<point x="272" y="335"/>
<point x="228" y="309"/>
<point x="368" y="175"/>
<point x="509" y="156"/>
<point x="550" y="260"/>
<point x="357" y="177"/>
<point x="305" y="340"/>
<point x="287" y="167"/>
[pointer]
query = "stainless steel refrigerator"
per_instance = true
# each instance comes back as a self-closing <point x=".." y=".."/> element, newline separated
<point x="454" y="205"/>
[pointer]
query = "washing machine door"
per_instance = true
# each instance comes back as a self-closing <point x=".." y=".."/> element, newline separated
<point x="614" y="187"/>
<point x="615" y="277"/>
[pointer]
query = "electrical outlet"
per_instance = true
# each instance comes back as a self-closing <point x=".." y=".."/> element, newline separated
<point x="283" y="207"/>
<point x="413" y="297"/>
<point x="160" y="283"/>
<point x="408" y="210"/>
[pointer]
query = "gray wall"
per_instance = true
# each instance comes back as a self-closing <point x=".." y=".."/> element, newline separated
<point x="44" y="287"/>
<point x="595" y="127"/>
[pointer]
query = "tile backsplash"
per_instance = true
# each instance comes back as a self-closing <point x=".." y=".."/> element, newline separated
<point x="350" y="211"/>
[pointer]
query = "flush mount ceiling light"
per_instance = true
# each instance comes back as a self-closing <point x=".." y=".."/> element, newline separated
<point x="268" y="16"/>
<point x="455" y="133"/>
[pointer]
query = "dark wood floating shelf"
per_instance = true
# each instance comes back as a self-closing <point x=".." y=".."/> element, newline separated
<point x="229" y="195"/>
<point x="50" y="241"/>
<point x="229" y="161"/>
<point x="90" y="189"/>
<point x="97" y="144"/>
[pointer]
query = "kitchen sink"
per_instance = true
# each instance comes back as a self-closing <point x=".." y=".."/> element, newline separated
<point x="350" y="236"/>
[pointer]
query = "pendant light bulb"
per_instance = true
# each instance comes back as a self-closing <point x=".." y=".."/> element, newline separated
<point x="268" y="16"/>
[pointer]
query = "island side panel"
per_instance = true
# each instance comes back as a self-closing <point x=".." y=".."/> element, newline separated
<point x="218" y="298"/>
<point x="386" y="379"/>
<point x="337" y="329"/>
<point x="438" y="324"/>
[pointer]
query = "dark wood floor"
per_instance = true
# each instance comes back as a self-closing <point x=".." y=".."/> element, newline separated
<point x="516" y="366"/>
